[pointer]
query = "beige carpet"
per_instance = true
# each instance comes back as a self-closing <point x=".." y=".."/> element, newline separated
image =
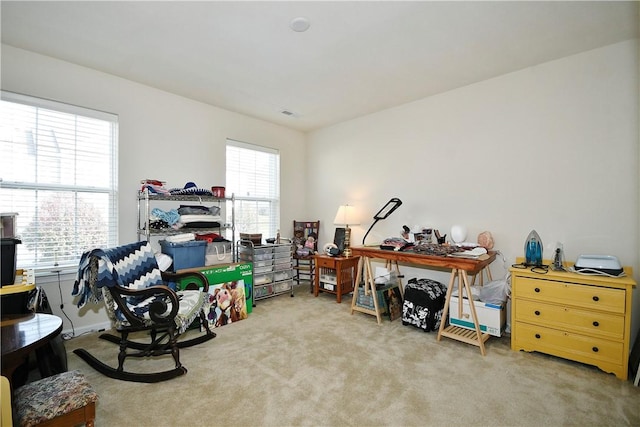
<point x="307" y="361"/>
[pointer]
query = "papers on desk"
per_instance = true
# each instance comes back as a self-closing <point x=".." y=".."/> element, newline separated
<point x="475" y="253"/>
<point x="467" y="245"/>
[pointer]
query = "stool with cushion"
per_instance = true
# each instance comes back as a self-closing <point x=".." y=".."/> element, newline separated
<point x="423" y="304"/>
<point x="65" y="399"/>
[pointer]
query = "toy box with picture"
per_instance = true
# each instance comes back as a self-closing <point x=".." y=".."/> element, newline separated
<point x="230" y="293"/>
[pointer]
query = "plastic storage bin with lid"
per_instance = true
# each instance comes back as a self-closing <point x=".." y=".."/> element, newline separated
<point x="185" y="254"/>
<point x="9" y="249"/>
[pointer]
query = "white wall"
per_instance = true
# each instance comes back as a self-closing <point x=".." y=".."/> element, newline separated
<point x="552" y="148"/>
<point x="162" y="136"/>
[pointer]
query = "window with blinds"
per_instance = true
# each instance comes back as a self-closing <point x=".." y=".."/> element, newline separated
<point x="253" y="175"/>
<point x="58" y="172"/>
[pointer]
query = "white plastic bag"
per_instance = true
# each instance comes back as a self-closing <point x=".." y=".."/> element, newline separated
<point x="496" y="291"/>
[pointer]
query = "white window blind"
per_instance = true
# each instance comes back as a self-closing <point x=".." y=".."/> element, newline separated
<point x="58" y="172"/>
<point x="253" y="175"/>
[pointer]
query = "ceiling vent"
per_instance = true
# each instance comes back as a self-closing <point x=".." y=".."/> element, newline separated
<point x="287" y="113"/>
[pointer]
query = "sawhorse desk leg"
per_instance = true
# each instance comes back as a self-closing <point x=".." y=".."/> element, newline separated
<point x="468" y="336"/>
<point x="481" y="274"/>
<point x="356" y="286"/>
<point x="366" y="270"/>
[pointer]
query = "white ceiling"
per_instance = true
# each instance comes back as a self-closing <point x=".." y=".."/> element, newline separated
<point x="357" y="57"/>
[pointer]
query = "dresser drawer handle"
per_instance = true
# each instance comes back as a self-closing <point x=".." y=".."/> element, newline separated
<point x="596" y="324"/>
<point x="538" y="336"/>
<point x="595" y="349"/>
<point x="537" y="313"/>
<point x="537" y="289"/>
<point x="596" y="299"/>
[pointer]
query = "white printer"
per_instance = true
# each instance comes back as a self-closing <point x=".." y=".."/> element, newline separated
<point x="598" y="264"/>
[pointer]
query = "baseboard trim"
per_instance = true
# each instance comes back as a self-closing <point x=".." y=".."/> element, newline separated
<point x="97" y="327"/>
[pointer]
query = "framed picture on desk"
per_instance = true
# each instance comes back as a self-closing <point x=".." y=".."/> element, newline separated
<point x="393" y="298"/>
<point x="338" y="239"/>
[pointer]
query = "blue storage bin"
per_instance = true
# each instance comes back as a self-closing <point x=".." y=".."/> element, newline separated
<point x="185" y="254"/>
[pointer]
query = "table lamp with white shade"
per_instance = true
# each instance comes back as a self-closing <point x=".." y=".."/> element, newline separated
<point x="346" y="216"/>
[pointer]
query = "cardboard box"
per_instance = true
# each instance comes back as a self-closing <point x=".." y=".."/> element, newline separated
<point x="255" y="238"/>
<point x="492" y="317"/>
<point x="233" y="275"/>
<point x="329" y="278"/>
<point x="328" y="286"/>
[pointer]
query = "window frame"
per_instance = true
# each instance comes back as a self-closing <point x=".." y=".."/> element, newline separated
<point x="243" y="202"/>
<point x="102" y="197"/>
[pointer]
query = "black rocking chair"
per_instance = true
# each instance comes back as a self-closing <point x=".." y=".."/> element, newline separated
<point x="136" y="296"/>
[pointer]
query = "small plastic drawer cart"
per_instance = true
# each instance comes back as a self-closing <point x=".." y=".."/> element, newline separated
<point x="272" y="268"/>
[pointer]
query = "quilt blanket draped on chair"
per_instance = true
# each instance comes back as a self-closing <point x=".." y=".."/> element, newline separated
<point x="131" y="266"/>
<point x="137" y="298"/>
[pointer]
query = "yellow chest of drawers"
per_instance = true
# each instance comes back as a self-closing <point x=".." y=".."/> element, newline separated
<point x="582" y="318"/>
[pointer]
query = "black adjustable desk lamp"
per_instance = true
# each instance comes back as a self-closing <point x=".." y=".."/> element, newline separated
<point x="383" y="213"/>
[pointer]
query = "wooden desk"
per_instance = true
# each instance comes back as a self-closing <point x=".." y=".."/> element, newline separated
<point x="460" y="268"/>
<point x="16" y="289"/>
<point x="344" y="274"/>
<point x="22" y="334"/>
